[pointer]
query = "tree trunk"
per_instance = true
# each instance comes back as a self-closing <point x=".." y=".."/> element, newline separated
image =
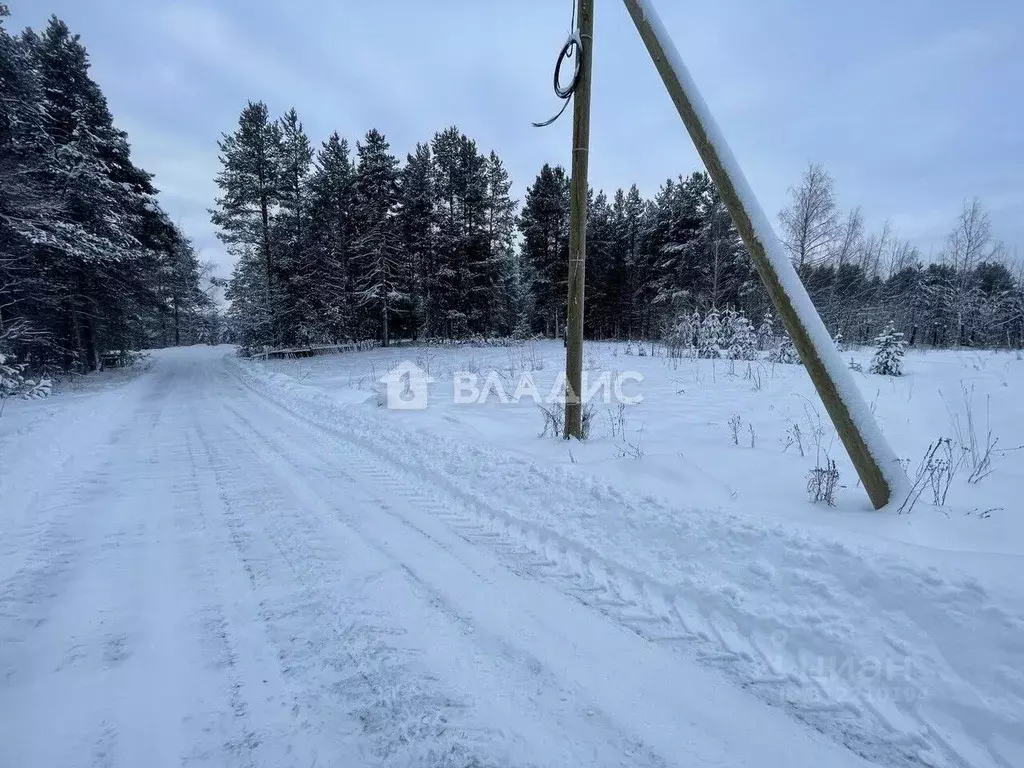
<point x="74" y="346"/>
<point x="91" y="349"/>
<point x="265" y="213"/>
<point x="177" y="327"/>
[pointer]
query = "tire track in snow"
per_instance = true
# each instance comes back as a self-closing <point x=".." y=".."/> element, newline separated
<point x="106" y="659"/>
<point x="335" y="463"/>
<point x="353" y="684"/>
<point x="573" y="720"/>
<point x="879" y="730"/>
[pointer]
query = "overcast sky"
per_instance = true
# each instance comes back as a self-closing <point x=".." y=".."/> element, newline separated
<point x="912" y="105"/>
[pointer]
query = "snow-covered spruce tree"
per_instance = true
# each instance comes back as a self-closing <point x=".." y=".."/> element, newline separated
<point x="380" y="284"/>
<point x="294" y="261"/>
<point x="743" y="340"/>
<point x="88" y="261"/>
<point x="728" y="325"/>
<point x="417" y="224"/>
<point x="888" y="358"/>
<point x="14" y="384"/>
<point x="785" y="352"/>
<point x="838" y="341"/>
<point x="766" y="333"/>
<point x="249" y="314"/>
<point x="11" y="377"/>
<point x="328" y="301"/>
<point x="500" y="209"/>
<point x="544" y="225"/>
<point x="103" y="262"/>
<point x="472" y="237"/>
<point x="679" y="337"/>
<point x="709" y="336"/>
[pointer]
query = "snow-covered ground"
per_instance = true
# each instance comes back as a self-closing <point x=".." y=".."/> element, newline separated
<point x="221" y="562"/>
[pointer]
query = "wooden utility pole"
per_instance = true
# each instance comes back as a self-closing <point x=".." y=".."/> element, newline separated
<point x="874" y="460"/>
<point x="578" y="224"/>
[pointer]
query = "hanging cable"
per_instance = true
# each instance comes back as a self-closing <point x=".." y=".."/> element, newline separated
<point x="573" y="48"/>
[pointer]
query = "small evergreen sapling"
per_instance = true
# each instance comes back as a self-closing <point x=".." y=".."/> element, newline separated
<point x="679" y="339"/>
<point x="785" y="352"/>
<point x="14" y="384"/>
<point x="743" y="341"/>
<point x="11" y="380"/>
<point x="888" y="359"/>
<point x="709" y="336"/>
<point x="728" y="322"/>
<point x="766" y="332"/>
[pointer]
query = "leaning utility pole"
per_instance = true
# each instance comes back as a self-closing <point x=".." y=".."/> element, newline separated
<point x="874" y="460"/>
<point x="578" y="224"/>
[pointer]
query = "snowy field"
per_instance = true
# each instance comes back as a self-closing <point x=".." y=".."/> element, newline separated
<point x="224" y="562"/>
<point x="678" y="444"/>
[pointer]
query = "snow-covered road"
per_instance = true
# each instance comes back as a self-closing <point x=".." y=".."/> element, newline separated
<point x="195" y="574"/>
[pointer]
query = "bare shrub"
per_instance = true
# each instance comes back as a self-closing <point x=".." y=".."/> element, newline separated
<point x="936" y="471"/>
<point x="753" y="375"/>
<point x="554" y="419"/>
<point x="617" y="419"/>
<point x="822" y="483"/>
<point x="753" y="436"/>
<point x="980" y="447"/>
<point x="794" y="437"/>
<point x="425" y="359"/>
<point x="586" y="421"/>
<point x="734" y="425"/>
<point x="633" y="450"/>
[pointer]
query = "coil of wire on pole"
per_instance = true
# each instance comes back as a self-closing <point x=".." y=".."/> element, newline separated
<point x="573" y="49"/>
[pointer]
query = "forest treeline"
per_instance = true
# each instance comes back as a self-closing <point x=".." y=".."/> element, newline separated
<point x="89" y="261"/>
<point x="340" y="242"/>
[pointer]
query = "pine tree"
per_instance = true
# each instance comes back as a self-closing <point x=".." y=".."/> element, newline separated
<point x="601" y="315"/>
<point x="97" y="268"/>
<point x="481" y="264"/>
<point x="26" y="206"/>
<point x="377" y="248"/>
<point x="501" y="230"/>
<point x="416" y="222"/>
<point x="249" y="313"/>
<point x="675" y="228"/>
<point x="250" y="181"/>
<point x="639" y="262"/>
<point x="544" y="225"/>
<point x="293" y="261"/>
<point x="328" y="312"/>
<point x="888" y="357"/>
<point x="88" y="261"/>
<point x="728" y="272"/>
